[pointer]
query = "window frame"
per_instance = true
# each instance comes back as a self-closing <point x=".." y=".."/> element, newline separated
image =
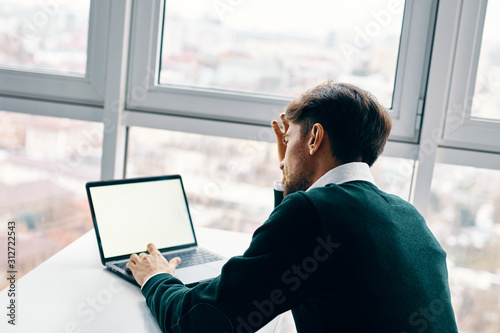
<point x="72" y="88"/>
<point x="460" y="129"/>
<point x="145" y="94"/>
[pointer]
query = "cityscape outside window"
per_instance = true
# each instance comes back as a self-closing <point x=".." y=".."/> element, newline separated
<point x="44" y="165"/>
<point x="486" y="101"/>
<point x="281" y="47"/>
<point x="47" y="36"/>
<point x="464" y="216"/>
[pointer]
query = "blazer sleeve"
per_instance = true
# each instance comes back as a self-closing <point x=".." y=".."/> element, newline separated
<point x="253" y="288"/>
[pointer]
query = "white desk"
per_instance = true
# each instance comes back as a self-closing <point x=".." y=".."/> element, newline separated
<point x="73" y="293"/>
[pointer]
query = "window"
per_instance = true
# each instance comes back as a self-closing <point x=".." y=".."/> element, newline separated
<point x="486" y="102"/>
<point x="393" y="175"/>
<point x="281" y="47"/>
<point x="464" y="216"/>
<point x="45" y="36"/>
<point x="472" y="118"/>
<point x="54" y="50"/>
<point x="246" y="60"/>
<point x="45" y="163"/>
<point x="201" y="84"/>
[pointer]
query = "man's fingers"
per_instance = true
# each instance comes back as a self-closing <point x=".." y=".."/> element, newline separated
<point x="284" y="122"/>
<point x="134" y="258"/>
<point x="175" y="261"/>
<point x="142" y="255"/>
<point x="276" y="128"/>
<point x="152" y="248"/>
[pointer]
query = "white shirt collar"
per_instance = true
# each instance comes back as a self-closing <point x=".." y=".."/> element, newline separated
<point x="345" y="173"/>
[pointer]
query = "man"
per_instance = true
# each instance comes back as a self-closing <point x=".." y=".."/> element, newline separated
<point x="341" y="254"/>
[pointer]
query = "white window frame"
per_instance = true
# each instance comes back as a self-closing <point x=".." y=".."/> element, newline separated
<point x="460" y="129"/>
<point x="49" y="86"/>
<point x="145" y="94"/>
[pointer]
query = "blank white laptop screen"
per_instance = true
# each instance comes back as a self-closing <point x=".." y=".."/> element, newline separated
<point x="130" y="216"/>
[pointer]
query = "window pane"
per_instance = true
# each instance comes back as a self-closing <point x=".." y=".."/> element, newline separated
<point x="228" y="182"/>
<point x="281" y="47"/>
<point x="465" y="218"/>
<point x="486" y="101"/>
<point x="44" y="164"/>
<point x="44" y="35"/>
<point x="393" y="175"/>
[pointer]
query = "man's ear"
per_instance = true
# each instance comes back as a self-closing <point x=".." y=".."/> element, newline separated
<point x="317" y="134"/>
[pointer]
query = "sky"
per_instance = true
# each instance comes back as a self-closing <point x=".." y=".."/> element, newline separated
<point x="312" y="17"/>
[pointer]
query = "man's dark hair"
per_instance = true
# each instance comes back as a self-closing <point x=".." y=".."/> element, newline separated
<point x="356" y="124"/>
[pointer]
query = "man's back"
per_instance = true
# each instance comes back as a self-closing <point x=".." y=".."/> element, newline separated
<point x="387" y="273"/>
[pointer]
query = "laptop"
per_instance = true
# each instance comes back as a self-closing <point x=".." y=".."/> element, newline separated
<point x="130" y="213"/>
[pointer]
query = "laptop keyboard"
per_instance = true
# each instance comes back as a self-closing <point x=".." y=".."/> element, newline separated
<point x="188" y="258"/>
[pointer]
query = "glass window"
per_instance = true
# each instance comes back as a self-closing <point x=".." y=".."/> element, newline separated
<point x="393" y="175"/>
<point x="44" y="165"/>
<point x="464" y="216"/>
<point x="44" y="35"/>
<point x="281" y="47"/>
<point x="486" y="101"/>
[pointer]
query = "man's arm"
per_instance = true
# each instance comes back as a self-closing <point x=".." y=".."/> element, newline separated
<point x="252" y="289"/>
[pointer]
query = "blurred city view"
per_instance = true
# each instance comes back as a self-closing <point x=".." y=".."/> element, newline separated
<point x="464" y="215"/>
<point x="486" y="101"/>
<point x="44" y="164"/>
<point x="281" y="47"/>
<point x="44" y="36"/>
<point x="276" y="48"/>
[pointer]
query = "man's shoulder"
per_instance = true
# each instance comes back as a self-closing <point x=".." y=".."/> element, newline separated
<point x="341" y="192"/>
<point x="358" y="196"/>
<point x="353" y="189"/>
<point x="295" y="202"/>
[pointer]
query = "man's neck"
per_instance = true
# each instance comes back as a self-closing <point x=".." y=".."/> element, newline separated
<point x="323" y="167"/>
<point x="347" y="172"/>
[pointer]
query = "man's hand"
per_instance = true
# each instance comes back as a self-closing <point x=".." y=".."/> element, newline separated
<point x="279" y="139"/>
<point x="144" y="265"/>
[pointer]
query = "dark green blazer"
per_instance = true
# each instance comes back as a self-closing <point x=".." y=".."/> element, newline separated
<point x="343" y="258"/>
